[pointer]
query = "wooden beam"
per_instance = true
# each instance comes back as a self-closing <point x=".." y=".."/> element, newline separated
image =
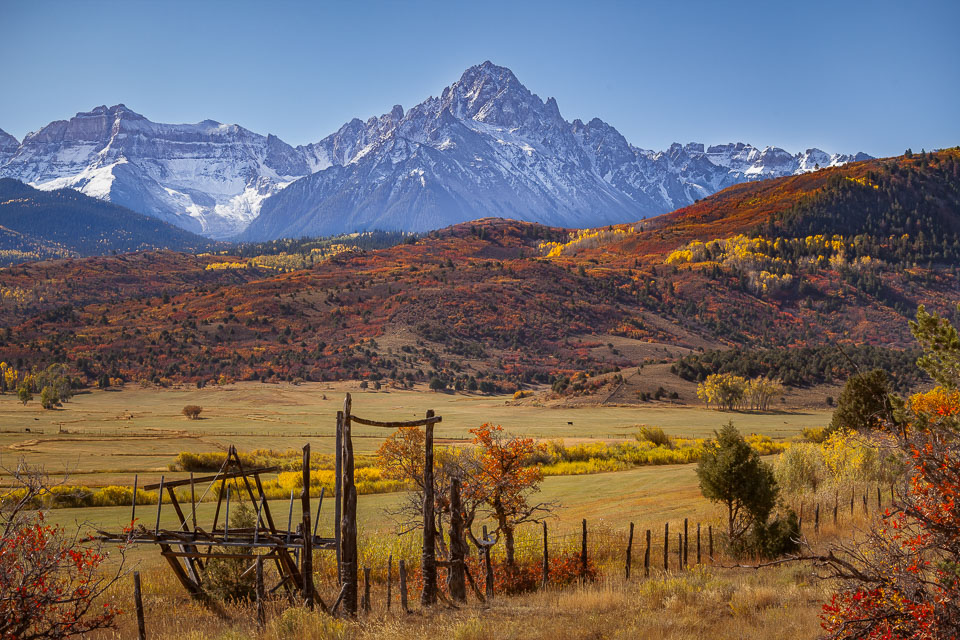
<point x="397" y="425"/>
<point x="219" y="476"/>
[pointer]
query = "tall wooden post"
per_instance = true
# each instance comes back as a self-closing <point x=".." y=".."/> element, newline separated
<point x="428" y="597"/>
<point x="710" y="535"/>
<point x="836" y="508"/>
<point x="348" y="519"/>
<point x="338" y="488"/>
<point x="546" y="558"/>
<point x="629" y="551"/>
<point x="366" y="589"/>
<point x="646" y="557"/>
<point x="306" y="559"/>
<point x="679" y="550"/>
<point x="456" y="582"/>
<point x="865" y="510"/>
<point x="816" y="518"/>
<point x="878" y="497"/>
<point x="138" y="603"/>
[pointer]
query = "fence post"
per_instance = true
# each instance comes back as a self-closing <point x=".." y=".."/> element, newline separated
<point x="366" y="589"/>
<point x="666" y="546"/>
<point x="629" y="550"/>
<point x="800" y="519"/>
<point x="428" y="564"/>
<point x="686" y="542"/>
<point x="403" y="587"/>
<point x="487" y="565"/>
<point x="679" y="551"/>
<point x="816" y="518"/>
<point x="646" y="557"/>
<point x="546" y="557"/>
<point x="583" y="550"/>
<point x="138" y="601"/>
<point x="389" y="580"/>
<point x="306" y="559"/>
<point x="836" y="507"/>
<point x="710" y="535"/>
<point x="865" y="510"/>
<point x="261" y="611"/>
<point x="851" y="502"/>
<point x="878" y="497"/>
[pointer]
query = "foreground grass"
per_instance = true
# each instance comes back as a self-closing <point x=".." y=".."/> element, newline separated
<point x="699" y="603"/>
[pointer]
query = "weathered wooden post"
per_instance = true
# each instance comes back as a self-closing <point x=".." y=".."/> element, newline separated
<point x="646" y="557"/>
<point x="800" y="519"/>
<point x="156" y="531"/>
<point x="851" y="502"/>
<point x="403" y="587"/>
<point x="138" y="603"/>
<point x="456" y="578"/>
<point x="816" y="518"/>
<point x="836" y="508"/>
<point x="686" y="542"/>
<point x="698" y="543"/>
<point x="546" y="558"/>
<point x="629" y="550"/>
<point x="679" y="550"/>
<point x="710" y="536"/>
<point x="389" y="581"/>
<point x="338" y="489"/>
<point x="583" y="550"/>
<point x="306" y="559"/>
<point x="261" y="610"/>
<point x="428" y="597"/>
<point x="488" y="566"/>
<point x="878" y="497"/>
<point x="666" y="546"/>
<point x="348" y="519"/>
<point x="865" y="509"/>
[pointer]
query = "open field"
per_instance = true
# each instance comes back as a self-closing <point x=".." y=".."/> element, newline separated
<point x="107" y="436"/>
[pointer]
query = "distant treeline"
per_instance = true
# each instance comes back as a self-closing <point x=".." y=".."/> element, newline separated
<point x="368" y="241"/>
<point x="804" y="366"/>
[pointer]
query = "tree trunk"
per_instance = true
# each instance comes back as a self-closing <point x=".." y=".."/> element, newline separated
<point x="509" y="545"/>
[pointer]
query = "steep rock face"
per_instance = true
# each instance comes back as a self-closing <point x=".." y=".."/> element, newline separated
<point x="487" y="146"/>
<point x="8" y="146"/>
<point x="206" y="177"/>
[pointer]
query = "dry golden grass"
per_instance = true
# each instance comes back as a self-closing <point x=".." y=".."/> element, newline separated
<point x="698" y="603"/>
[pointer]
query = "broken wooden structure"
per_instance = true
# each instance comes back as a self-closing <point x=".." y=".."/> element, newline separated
<point x="189" y="547"/>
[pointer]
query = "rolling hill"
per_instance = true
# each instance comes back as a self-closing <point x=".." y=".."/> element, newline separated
<point x="37" y="224"/>
<point x="838" y="256"/>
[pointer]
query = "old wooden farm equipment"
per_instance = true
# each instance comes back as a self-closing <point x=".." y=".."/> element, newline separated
<point x="189" y="547"/>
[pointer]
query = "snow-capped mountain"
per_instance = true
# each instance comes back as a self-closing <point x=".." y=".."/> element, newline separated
<point x="486" y="146"/>
<point x="489" y="147"/>
<point x="208" y="177"/>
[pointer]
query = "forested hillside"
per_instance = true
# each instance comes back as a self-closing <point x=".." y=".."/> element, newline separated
<point x="37" y="224"/>
<point x="838" y="256"/>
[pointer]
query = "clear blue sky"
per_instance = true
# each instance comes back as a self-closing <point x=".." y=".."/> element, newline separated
<point x="844" y="76"/>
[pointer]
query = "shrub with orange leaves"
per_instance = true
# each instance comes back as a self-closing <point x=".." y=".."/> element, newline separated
<point x="50" y="582"/>
<point x="903" y="579"/>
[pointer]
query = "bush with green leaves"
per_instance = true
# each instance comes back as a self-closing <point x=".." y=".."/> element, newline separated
<point x="864" y="404"/>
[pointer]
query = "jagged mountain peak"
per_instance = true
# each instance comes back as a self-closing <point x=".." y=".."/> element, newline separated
<point x="487" y="146"/>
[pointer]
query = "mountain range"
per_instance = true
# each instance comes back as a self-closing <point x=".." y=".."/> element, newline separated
<point x="486" y="146"/>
